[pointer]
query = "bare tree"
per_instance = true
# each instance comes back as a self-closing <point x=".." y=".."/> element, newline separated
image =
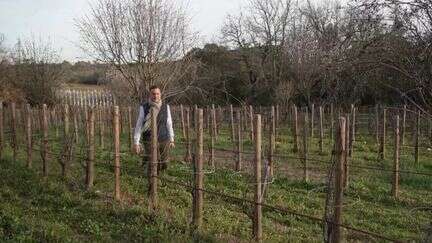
<point x="36" y="70"/>
<point x="260" y="33"/>
<point x="5" y="86"/>
<point x="297" y="49"/>
<point x="144" y="41"/>
<point x="406" y="47"/>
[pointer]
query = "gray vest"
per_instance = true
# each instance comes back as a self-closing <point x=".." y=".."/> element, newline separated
<point x="163" y="133"/>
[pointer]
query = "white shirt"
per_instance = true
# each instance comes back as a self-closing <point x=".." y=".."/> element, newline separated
<point x="140" y="122"/>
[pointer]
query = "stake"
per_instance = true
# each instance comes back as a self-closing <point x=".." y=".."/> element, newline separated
<point x="321" y="130"/>
<point x="90" y="150"/>
<point x="395" y="184"/>
<point x="295" y="129"/>
<point x="239" y="141"/>
<point x="153" y="162"/>
<point x="305" y="145"/>
<point x="116" y="128"/>
<point x="335" y="235"/>
<point x="45" y="140"/>
<point x="417" y="139"/>
<point x="257" y="219"/>
<point x="29" y="135"/>
<point x="197" y="204"/>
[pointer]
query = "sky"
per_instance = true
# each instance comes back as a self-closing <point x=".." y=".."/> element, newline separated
<point x="53" y="21"/>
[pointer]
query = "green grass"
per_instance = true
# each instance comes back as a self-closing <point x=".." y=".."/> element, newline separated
<point x="56" y="209"/>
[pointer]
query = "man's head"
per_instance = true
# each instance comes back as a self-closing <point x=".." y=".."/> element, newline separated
<point x="155" y="93"/>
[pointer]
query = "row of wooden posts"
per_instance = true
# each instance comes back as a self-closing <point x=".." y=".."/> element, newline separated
<point x="381" y="131"/>
<point x="275" y="112"/>
<point x="341" y="152"/>
<point x="214" y="118"/>
<point x="344" y="138"/>
<point x="197" y="201"/>
<point x="90" y="131"/>
<point x="185" y="121"/>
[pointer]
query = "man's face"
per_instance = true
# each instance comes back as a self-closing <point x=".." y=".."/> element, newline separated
<point x="155" y="95"/>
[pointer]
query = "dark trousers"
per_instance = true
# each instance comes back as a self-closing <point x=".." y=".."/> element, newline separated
<point x="163" y="151"/>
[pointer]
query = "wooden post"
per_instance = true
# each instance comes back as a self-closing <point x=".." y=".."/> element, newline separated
<point x="417" y="139"/>
<point x="65" y="165"/>
<point x="305" y="145"/>
<point x="55" y="121"/>
<point x="395" y="184"/>
<point x="219" y="121"/>
<point x="195" y="119"/>
<point x="321" y="130"/>
<point x="271" y="142"/>
<point x="208" y="118"/>
<point x="331" y="121"/>
<point x="239" y="141"/>
<point x="245" y="119"/>
<point x="85" y="123"/>
<point x="277" y="122"/>
<point x="212" y="137"/>
<point x="188" y="155"/>
<point x="45" y="140"/>
<point x="1" y="129"/>
<point x="153" y="162"/>
<point x="403" y="131"/>
<point x="430" y="129"/>
<point x="336" y="234"/>
<point x="312" y="121"/>
<point x="369" y="123"/>
<point x="383" y="136"/>
<point x="182" y="118"/>
<point x="214" y="122"/>
<point x="75" y="124"/>
<point x="130" y="128"/>
<point x="101" y="127"/>
<point x="38" y="119"/>
<point x="273" y="120"/>
<point x="353" y="130"/>
<point x="29" y="135"/>
<point x="19" y="120"/>
<point x="257" y="219"/>
<point x="116" y="131"/>
<point x="232" y="123"/>
<point x="197" y="203"/>
<point x="14" y="141"/>
<point x="66" y="120"/>
<point x="251" y="116"/>
<point x="295" y="129"/>
<point x="377" y="130"/>
<point x="90" y="149"/>
<point x="346" y="168"/>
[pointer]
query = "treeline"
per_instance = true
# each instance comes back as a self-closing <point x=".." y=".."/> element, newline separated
<point x="362" y="52"/>
<point x="31" y="72"/>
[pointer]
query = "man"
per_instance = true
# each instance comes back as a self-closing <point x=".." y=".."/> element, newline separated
<point x="165" y="129"/>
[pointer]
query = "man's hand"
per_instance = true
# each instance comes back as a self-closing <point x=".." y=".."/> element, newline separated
<point x="137" y="148"/>
<point x="171" y="144"/>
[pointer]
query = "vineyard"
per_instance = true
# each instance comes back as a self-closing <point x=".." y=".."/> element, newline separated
<point x="271" y="174"/>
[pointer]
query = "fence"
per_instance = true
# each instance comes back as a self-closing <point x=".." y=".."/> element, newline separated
<point x="244" y="126"/>
<point x="88" y="98"/>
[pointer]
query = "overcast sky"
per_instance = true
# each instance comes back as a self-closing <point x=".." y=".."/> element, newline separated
<point x="54" y="19"/>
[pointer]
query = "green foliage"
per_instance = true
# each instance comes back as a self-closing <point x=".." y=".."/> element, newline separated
<point x="58" y="209"/>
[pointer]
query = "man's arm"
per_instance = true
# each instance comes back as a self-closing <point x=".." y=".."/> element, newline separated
<point x="170" y="124"/>
<point x="139" y="126"/>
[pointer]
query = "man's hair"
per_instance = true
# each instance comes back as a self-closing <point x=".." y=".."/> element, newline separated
<point x="153" y="87"/>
